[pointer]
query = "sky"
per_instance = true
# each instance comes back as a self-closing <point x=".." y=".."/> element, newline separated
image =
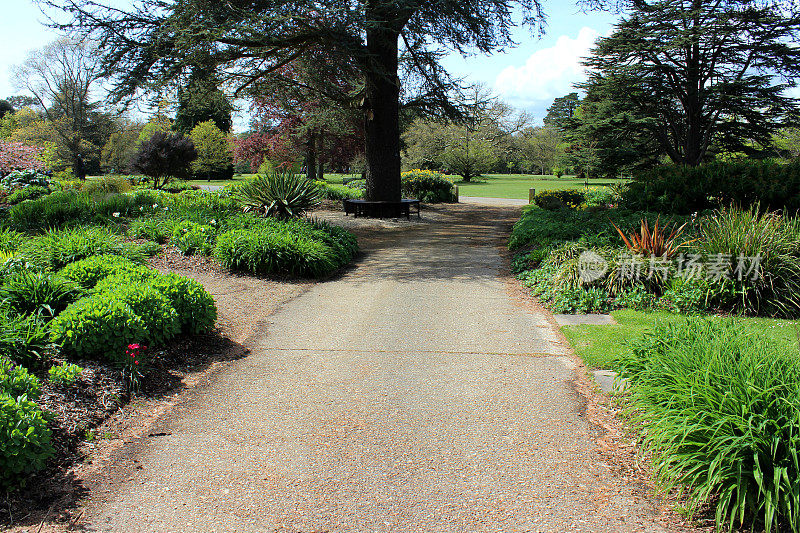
<point x="528" y="76"/>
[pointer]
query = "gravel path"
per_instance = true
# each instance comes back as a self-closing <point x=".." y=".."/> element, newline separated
<point x="410" y="394"/>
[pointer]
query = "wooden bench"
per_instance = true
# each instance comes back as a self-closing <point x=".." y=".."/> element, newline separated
<point x="366" y="208"/>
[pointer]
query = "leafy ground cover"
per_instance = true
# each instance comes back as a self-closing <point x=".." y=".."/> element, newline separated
<point x="594" y="258"/>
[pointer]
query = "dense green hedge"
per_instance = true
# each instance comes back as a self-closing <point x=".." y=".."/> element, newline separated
<point x="686" y="190"/>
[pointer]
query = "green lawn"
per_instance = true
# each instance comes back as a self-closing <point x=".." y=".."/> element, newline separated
<point x="517" y="185"/>
<point x="599" y="345"/>
<point x="491" y="185"/>
<point x="220" y="183"/>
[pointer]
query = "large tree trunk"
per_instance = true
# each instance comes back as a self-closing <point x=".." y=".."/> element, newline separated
<point x="320" y="164"/>
<point x="79" y="167"/>
<point x="382" y="118"/>
<point x="311" y="156"/>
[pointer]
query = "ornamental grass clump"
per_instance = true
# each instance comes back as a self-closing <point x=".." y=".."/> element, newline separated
<point x="773" y="287"/>
<point x="295" y="247"/>
<point x="719" y="411"/>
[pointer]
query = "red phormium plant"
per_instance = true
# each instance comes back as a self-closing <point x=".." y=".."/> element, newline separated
<point x="657" y="242"/>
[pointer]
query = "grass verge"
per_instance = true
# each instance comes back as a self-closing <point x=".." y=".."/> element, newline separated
<point x="598" y="346"/>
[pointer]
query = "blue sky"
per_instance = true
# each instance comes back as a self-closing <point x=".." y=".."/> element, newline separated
<point x="528" y="76"/>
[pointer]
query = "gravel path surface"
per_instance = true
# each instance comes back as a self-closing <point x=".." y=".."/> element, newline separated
<point x="412" y="393"/>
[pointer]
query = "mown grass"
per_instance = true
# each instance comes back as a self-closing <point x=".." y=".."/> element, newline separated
<point x="599" y="346"/>
<point x="490" y="186"/>
<point x="517" y="185"/>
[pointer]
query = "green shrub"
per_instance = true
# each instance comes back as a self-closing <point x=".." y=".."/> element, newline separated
<point x="24" y="441"/>
<point x="65" y="373"/>
<point x="719" y="411"/>
<point x="100" y="326"/>
<point x="125" y="276"/>
<point x="685" y="190"/>
<point x="243" y="221"/>
<point x="699" y="294"/>
<point x="581" y="300"/>
<point x="427" y="186"/>
<point x="58" y="248"/>
<point x="28" y="193"/>
<point x="159" y="318"/>
<point x="23" y="339"/>
<point x="66" y="184"/>
<point x="35" y="293"/>
<point x="637" y="298"/>
<point x="72" y="207"/>
<point x="750" y="233"/>
<point x="599" y="197"/>
<point x="296" y="248"/>
<point x="283" y="195"/>
<point x="196" y="310"/>
<point x="15" y="380"/>
<point x="153" y="229"/>
<point x="554" y="200"/>
<point x="191" y="238"/>
<point x="266" y="251"/>
<point x="106" y="185"/>
<point x="88" y="272"/>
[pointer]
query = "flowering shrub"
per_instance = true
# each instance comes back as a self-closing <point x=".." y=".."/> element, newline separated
<point x="427" y="186"/>
<point x="555" y="200"/>
<point x="599" y="197"/>
<point x="17" y="156"/>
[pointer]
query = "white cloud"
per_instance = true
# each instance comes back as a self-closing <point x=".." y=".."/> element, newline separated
<point x="548" y="73"/>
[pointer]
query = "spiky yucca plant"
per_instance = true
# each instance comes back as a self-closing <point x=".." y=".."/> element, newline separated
<point x="283" y="195"/>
